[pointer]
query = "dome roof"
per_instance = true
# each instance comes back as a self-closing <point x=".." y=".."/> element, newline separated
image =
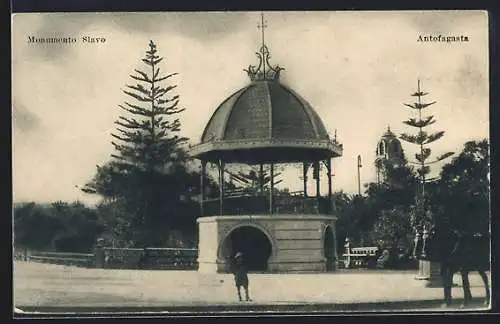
<point x="389" y="147"/>
<point x="389" y="136"/>
<point x="264" y="110"/>
<point x="265" y="115"/>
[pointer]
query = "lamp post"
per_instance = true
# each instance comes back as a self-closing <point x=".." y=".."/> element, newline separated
<point x="359" y="175"/>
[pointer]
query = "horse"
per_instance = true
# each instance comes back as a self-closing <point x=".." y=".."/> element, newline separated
<point x="456" y="251"/>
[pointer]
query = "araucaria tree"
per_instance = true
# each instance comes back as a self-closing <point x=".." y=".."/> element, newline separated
<point x="422" y="139"/>
<point x="145" y="140"/>
<point x="148" y="174"/>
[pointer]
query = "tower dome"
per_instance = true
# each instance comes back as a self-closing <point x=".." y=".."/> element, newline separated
<point x="389" y="149"/>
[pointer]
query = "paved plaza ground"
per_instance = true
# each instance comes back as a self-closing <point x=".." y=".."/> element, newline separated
<point x="46" y="287"/>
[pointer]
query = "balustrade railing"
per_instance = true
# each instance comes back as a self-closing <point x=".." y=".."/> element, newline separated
<point x="119" y="258"/>
<point x="242" y="204"/>
<point x="150" y="258"/>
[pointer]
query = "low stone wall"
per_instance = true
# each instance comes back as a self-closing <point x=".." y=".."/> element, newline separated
<point x="150" y="258"/>
<point x="297" y="241"/>
<point x="120" y="258"/>
<point x="62" y="258"/>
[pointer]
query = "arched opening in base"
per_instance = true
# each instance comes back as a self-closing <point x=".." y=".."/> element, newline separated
<point x="329" y="246"/>
<point x="254" y="245"/>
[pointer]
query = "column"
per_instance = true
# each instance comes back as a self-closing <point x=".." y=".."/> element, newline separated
<point x="99" y="255"/>
<point x="202" y="187"/>
<point x="304" y="175"/>
<point x="221" y="185"/>
<point x="329" y="174"/>
<point x="335" y="252"/>
<point x="317" y="167"/>
<point x="271" y="187"/>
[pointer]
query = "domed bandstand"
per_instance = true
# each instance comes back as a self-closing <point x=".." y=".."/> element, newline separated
<point x="267" y="124"/>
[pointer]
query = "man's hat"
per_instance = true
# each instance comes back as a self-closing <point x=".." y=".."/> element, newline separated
<point x="238" y="255"/>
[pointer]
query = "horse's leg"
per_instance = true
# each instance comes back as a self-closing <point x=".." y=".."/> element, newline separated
<point x="247" y="294"/>
<point x="466" y="286"/>
<point x="483" y="275"/>
<point x="238" y="288"/>
<point x="447" y="277"/>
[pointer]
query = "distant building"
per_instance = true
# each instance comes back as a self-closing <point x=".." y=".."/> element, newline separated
<point x="389" y="149"/>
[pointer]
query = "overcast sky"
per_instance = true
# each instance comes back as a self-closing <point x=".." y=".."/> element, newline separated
<point x="355" y="68"/>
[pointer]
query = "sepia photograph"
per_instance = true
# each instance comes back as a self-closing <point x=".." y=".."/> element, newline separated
<point x="237" y="162"/>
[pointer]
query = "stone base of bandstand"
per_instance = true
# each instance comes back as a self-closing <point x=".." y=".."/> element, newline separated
<point x="297" y="241"/>
<point x="429" y="272"/>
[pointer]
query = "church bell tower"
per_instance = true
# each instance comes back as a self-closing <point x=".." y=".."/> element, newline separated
<point x="389" y="149"/>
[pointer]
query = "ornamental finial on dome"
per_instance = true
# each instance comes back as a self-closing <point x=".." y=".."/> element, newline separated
<point x="389" y="133"/>
<point x="264" y="71"/>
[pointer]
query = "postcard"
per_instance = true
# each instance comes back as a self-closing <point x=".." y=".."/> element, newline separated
<point x="249" y="162"/>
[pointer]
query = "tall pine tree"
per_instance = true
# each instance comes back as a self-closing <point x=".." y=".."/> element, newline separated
<point x="148" y="173"/>
<point x="145" y="140"/>
<point x="422" y="139"/>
